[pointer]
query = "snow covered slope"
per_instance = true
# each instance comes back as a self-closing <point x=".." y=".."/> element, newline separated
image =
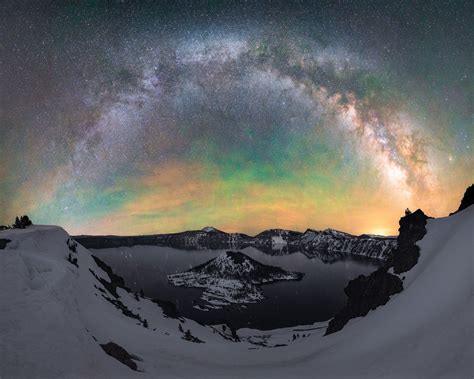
<point x="54" y="315"/>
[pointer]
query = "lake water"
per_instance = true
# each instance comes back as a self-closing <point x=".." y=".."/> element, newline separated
<point x="317" y="297"/>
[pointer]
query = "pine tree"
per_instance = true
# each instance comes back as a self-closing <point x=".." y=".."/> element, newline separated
<point x="145" y="323"/>
<point x="188" y="334"/>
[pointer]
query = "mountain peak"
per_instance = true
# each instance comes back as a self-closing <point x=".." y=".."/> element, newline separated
<point x="209" y="229"/>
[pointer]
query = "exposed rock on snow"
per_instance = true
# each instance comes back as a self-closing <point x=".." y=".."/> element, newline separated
<point x="231" y="278"/>
<point x="468" y="198"/>
<point x="3" y="243"/>
<point x="412" y="229"/>
<point x="366" y="293"/>
<point x="120" y="354"/>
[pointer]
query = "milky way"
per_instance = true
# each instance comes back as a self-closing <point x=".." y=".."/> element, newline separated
<point x="125" y="118"/>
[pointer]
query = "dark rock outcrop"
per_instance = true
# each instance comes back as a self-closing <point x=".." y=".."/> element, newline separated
<point x="3" y="243"/>
<point x="365" y="293"/>
<point x="120" y="354"/>
<point x="115" y="280"/>
<point x="468" y="199"/>
<point x="412" y="229"/>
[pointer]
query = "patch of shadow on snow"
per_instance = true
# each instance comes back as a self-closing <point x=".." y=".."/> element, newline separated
<point x="120" y="354"/>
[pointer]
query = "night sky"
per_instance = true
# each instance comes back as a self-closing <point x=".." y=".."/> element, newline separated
<point x="141" y="117"/>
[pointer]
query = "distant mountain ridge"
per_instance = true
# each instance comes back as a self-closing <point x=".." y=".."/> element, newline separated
<point x="328" y="244"/>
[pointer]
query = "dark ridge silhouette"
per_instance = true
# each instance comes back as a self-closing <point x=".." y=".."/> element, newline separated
<point x="467" y="200"/>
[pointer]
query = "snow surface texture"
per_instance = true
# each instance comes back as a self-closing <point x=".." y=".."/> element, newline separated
<point x="231" y="278"/>
<point x="54" y="315"/>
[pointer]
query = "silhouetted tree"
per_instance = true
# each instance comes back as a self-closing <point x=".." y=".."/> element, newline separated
<point x="22" y="222"/>
<point x="141" y="293"/>
<point x="145" y="323"/>
<point x="136" y="296"/>
<point x="188" y="335"/>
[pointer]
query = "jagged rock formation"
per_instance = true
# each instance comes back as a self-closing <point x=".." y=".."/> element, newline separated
<point x="412" y="229"/>
<point x="231" y="278"/>
<point x="366" y="293"/>
<point x="334" y="242"/>
<point x="468" y="199"/>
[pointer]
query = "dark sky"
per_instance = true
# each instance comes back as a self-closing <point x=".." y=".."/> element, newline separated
<point x="134" y="117"/>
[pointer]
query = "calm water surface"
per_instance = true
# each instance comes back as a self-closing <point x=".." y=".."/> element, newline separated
<point x="317" y="297"/>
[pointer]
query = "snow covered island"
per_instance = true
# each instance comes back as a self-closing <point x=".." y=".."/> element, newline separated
<point x="231" y="278"/>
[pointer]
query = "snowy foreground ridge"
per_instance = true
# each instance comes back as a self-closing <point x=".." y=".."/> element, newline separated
<point x="54" y="316"/>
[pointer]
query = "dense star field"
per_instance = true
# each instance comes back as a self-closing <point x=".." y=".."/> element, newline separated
<point x="128" y="118"/>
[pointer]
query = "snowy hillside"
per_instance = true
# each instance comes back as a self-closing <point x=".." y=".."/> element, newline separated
<point x="56" y="312"/>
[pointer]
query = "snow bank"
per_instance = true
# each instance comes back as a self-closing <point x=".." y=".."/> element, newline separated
<point x="52" y="313"/>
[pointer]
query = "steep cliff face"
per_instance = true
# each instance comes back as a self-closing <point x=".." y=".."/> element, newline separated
<point x="328" y="244"/>
<point x="207" y="238"/>
<point x="468" y="198"/>
<point x="335" y="242"/>
<point x="365" y="293"/>
<point x="412" y="229"/>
